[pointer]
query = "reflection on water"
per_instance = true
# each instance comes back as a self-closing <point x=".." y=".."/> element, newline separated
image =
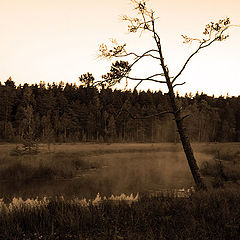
<point x="121" y="173"/>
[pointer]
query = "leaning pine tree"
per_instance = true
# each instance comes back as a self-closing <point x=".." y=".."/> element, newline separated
<point x="145" y="22"/>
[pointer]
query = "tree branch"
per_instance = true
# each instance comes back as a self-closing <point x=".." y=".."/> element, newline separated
<point x="143" y="55"/>
<point x="149" y="116"/>
<point x="203" y="44"/>
<point x="178" y="84"/>
<point x="185" y="64"/>
<point x="140" y="57"/>
<point x="145" y="79"/>
<point x="137" y="56"/>
<point x="137" y="85"/>
<point x="188" y="115"/>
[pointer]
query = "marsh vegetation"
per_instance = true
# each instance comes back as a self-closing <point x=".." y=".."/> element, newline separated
<point x="83" y="170"/>
<point x="86" y="169"/>
<point x="205" y="215"/>
<point x="64" y="174"/>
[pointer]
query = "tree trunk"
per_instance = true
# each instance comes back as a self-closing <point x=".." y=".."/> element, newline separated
<point x="185" y="142"/>
<point x="179" y="122"/>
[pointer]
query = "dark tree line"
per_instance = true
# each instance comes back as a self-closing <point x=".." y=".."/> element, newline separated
<point x="66" y="113"/>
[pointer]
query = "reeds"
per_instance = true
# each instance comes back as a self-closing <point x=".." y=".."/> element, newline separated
<point x="203" y="215"/>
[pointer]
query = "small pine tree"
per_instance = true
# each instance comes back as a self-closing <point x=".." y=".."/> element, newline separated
<point x="29" y="143"/>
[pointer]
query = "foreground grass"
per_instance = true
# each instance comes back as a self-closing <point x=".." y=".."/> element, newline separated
<point x="203" y="215"/>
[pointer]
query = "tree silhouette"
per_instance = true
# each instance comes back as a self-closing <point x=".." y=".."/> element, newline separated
<point x="86" y="80"/>
<point x="145" y="22"/>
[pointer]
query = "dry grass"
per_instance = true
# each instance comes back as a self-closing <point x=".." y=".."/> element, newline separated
<point x="203" y="216"/>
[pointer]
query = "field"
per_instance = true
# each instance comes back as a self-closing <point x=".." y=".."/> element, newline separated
<point x="46" y="196"/>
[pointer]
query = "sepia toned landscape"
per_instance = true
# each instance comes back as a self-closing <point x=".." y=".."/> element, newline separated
<point x="132" y="153"/>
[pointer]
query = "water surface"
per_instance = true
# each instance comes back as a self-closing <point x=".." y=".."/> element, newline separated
<point x="120" y="173"/>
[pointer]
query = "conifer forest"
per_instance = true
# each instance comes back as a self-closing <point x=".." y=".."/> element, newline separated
<point x="70" y="113"/>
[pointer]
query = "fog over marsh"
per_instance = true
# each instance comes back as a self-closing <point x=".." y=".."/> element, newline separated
<point x="123" y="169"/>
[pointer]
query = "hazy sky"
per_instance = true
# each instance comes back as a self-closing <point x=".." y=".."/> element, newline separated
<point x="57" y="40"/>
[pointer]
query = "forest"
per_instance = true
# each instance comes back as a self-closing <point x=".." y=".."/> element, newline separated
<point x="70" y="113"/>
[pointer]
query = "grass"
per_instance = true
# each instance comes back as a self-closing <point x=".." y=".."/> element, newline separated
<point x="225" y="165"/>
<point x="228" y="171"/>
<point x="64" y="160"/>
<point x="43" y="166"/>
<point x="222" y="151"/>
<point x="204" y="215"/>
<point x="67" y="160"/>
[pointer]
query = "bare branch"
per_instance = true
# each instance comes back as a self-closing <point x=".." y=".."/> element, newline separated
<point x="145" y="79"/>
<point x="185" y="64"/>
<point x="149" y="116"/>
<point x="155" y="75"/>
<point x="178" y="84"/>
<point x="137" y="85"/>
<point x="137" y="56"/>
<point x="188" y="115"/>
<point x="143" y="55"/>
<point x="128" y="54"/>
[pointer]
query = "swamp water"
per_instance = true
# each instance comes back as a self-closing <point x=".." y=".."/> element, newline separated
<point x="119" y="173"/>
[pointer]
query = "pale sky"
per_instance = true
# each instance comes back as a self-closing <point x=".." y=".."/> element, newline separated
<point x="57" y="40"/>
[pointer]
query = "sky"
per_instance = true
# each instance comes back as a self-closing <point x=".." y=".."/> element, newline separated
<point x="58" y="40"/>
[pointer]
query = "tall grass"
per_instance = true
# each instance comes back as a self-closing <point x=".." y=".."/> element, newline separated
<point x="204" y="215"/>
<point x="43" y="166"/>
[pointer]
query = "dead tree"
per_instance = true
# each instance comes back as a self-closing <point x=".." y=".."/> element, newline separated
<point x="145" y="22"/>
